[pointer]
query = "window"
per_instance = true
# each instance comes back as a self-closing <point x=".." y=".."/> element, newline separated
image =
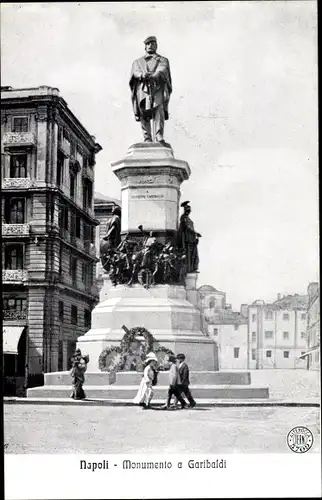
<point x="268" y="354"/>
<point x="87" y="318"/>
<point x="14" y="258"/>
<point x="286" y="316"/>
<point x="303" y="316"/>
<point x="15" y="303"/>
<point x="15" y="211"/>
<point x="74" y="315"/>
<point x="286" y="335"/>
<point x="73" y="148"/>
<point x="215" y="331"/>
<point x="77" y="226"/>
<point x="269" y="315"/>
<point x="88" y="274"/>
<point x="268" y="334"/>
<point x="14" y="308"/>
<point x="73" y="269"/>
<point x="83" y="272"/>
<point x="236" y="352"/>
<point x="253" y="318"/>
<point x="211" y="303"/>
<point x="253" y="335"/>
<point x="87" y="194"/>
<point x="61" y="311"/>
<point x="64" y="217"/>
<point x="253" y="354"/>
<point x="18" y="165"/>
<point x="72" y="184"/>
<point x="303" y="335"/>
<point x="20" y="124"/>
<point x="60" y="169"/>
<point x="286" y="354"/>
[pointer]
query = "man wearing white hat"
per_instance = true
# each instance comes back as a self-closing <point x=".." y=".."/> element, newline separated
<point x="145" y="392"/>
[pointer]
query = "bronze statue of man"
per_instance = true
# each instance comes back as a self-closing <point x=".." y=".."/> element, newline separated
<point x="151" y="86"/>
<point x="188" y="239"/>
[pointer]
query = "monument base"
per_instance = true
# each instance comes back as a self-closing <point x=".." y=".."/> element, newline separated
<point x="163" y="310"/>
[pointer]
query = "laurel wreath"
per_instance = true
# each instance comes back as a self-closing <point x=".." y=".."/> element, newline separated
<point x="136" y="334"/>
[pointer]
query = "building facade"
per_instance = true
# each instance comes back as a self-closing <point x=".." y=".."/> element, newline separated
<point x="277" y="334"/>
<point x="48" y="231"/>
<point x="313" y="327"/>
<point x="230" y="332"/>
<point x="227" y="327"/>
<point x="283" y="334"/>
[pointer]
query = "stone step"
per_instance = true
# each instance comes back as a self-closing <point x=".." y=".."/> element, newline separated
<point x="129" y="392"/>
<point x="134" y="378"/>
<point x="205" y="403"/>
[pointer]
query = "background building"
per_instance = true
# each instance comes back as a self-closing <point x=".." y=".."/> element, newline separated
<point x="263" y="336"/>
<point x="312" y="356"/>
<point x="48" y="253"/>
<point x="277" y="333"/>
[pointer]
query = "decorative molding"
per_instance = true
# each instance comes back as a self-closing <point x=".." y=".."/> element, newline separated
<point x="15" y="229"/>
<point x="18" y="275"/>
<point x="17" y="183"/>
<point x="42" y="114"/>
<point x="18" y="139"/>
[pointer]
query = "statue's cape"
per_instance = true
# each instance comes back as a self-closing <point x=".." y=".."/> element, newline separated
<point x="141" y="99"/>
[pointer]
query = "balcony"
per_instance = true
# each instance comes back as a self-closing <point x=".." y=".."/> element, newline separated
<point x="14" y="275"/>
<point x="17" y="183"/>
<point x="64" y="147"/>
<point x="14" y="314"/>
<point x="18" y="139"/>
<point x="15" y="229"/>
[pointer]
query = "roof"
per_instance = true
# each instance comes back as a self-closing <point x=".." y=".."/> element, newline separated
<point x="100" y="198"/>
<point x="291" y="302"/>
<point x="208" y="288"/>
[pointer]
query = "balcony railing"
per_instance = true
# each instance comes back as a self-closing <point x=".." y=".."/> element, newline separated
<point x="14" y="314"/>
<point x="14" y="139"/>
<point x="14" y="275"/>
<point x="15" y="229"/>
<point x="17" y="183"/>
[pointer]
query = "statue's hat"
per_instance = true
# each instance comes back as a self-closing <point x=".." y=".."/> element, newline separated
<point x="150" y="39"/>
<point x="185" y="203"/>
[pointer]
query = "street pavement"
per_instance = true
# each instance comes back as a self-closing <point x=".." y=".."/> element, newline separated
<point x="86" y="429"/>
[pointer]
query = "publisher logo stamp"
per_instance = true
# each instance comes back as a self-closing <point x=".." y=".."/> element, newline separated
<point x="300" y="439"/>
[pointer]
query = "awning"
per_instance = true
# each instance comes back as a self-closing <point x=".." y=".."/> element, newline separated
<point x="11" y="337"/>
<point x="313" y="349"/>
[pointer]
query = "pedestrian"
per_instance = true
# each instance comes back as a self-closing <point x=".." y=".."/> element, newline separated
<point x="173" y="384"/>
<point x="149" y="380"/>
<point x="79" y="367"/>
<point x="184" y="379"/>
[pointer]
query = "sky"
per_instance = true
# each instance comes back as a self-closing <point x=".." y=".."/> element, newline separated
<point x="243" y="114"/>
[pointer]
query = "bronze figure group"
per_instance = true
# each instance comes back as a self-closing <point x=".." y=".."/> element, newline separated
<point x="146" y="260"/>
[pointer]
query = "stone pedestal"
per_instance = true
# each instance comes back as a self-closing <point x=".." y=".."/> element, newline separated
<point x="163" y="310"/>
<point x="150" y="178"/>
